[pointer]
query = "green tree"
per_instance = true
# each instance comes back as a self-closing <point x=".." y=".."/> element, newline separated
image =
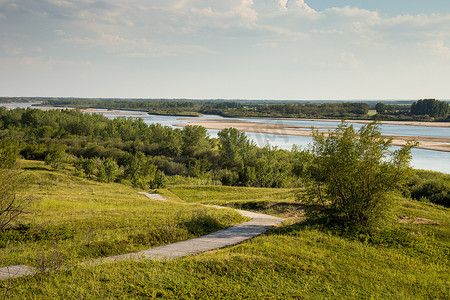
<point x="355" y="174"/>
<point x="234" y="147"/>
<point x="432" y="107"/>
<point x="89" y="166"/>
<point x="194" y="140"/>
<point x="107" y="170"/>
<point x="380" y="108"/>
<point x="158" y="181"/>
<point x="9" y="153"/>
<point x="57" y="157"/>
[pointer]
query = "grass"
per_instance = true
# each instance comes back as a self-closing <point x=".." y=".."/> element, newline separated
<point x="78" y="219"/>
<point x="298" y="260"/>
<point x="278" y="202"/>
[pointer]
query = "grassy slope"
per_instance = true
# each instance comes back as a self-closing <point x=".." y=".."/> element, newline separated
<point x="299" y="260"/>
<point x="76" y="219"/>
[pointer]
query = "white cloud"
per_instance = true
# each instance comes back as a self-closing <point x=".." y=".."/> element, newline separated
<point x="354" y="13"/>
<point x="271" y="45"/>
<point x="42" y="62"/>
<point x="120" y="45"/>
<point x="11" y="49"/>
<point x="61" y="3"/>
<point x="438" y="48"/>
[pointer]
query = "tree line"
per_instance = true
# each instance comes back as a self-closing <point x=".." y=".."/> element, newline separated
<point x="127" y="149"/>
<point x="421" y="110"/>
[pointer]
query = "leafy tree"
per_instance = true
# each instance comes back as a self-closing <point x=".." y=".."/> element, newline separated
<point x="9" y="153"/>
<point x="159" y="180"/>
<point x="432" y="107"/>
<point x="380" y="108"/>
<point x="234" y="147"/>
<point x="355" y="174"/>
<point x="107" y="170"/>
<point x="390" y="108"/>
<point x="88" y="165"/>
<point x="195" y="140"/>
<point x="57" y="157"/>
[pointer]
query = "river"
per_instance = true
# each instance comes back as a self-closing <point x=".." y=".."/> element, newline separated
<point x="422" y="159"/>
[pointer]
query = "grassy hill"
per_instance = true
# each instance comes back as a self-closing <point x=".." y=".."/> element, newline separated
<point x="71" y="219"/>
<point x="300" y="259"/>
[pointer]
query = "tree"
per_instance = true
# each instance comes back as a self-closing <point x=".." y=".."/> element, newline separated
<point x="355" y="174"/>
<point x="194" y="140"/>
<point x="234" y="147"/>
<point x="107" y="170"/>
<point x="57" y="157"/>
<point x="12" y="205"/>
<point x="432" y="107"/>
<point x="380" y="108"/>
<point x="9" y="152"/>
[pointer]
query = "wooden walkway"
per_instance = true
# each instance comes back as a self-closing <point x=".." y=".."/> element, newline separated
<point x="219" y="239"/>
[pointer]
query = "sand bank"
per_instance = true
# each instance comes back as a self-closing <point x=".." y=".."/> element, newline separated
<point x="403" y="123"/>
<point x="430" y="143"/>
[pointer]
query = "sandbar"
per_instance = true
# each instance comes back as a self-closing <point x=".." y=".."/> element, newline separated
<point x="429" y="143"/>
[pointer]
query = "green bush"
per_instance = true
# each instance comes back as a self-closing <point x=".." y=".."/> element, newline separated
<point x="354" y="175"/>
<point x="435" y="191"/>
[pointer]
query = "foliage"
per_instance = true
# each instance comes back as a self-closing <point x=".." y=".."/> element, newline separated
<point x="128" y="150"/>
<point x="9" y="153"/>
<point x="223" y="108"/>
<point x="12" y="206"/>
<point x="430" y="187"/>
<point x="431" y="107"/>
<point x="380" y="108"/>
<point x="355" y="173"/>
<point x="56" y="157"/>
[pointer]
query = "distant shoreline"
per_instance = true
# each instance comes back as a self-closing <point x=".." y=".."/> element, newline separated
<point x="403" y="123"/>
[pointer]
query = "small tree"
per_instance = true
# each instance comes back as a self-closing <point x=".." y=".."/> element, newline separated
<point x="9" y="153"/>
<point x="12" y="205"/>
<point x="355" y="173"/>
<point x="110" y="170"/>
<point x="57" y="158"/>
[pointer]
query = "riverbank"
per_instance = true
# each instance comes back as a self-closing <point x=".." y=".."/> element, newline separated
<point x="429" y="143"/>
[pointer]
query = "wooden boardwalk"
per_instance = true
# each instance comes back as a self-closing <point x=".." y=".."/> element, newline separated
<point x="219" y="239"/>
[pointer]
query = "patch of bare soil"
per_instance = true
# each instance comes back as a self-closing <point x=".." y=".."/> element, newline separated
<point x="406" y="219"/>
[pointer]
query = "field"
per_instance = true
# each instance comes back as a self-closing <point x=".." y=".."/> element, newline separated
<point x="73" y="219"/>
<point x="299" y="259"/>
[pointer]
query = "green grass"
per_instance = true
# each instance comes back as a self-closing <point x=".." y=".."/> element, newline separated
<point x="78" y="219"/>
<point x="298" y="260"/>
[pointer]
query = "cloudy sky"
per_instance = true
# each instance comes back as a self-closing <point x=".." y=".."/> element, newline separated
<point x="229" y="49"/>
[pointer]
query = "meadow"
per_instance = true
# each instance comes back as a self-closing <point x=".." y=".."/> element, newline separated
<point x="72" y="219"/>
<point x="301" y="259"/>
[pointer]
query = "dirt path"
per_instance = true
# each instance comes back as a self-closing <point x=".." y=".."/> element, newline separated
<point x="219" y="239"/>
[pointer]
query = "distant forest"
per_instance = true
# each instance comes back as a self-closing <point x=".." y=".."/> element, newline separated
<point x="421" y="110"/>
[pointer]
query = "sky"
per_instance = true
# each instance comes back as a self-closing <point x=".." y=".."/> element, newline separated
<point x="226" y="49"/>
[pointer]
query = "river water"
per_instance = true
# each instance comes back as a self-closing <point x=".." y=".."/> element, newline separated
<point x="422" y="159"/>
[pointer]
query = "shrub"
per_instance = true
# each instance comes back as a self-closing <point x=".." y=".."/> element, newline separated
<point x="354" y="173"/>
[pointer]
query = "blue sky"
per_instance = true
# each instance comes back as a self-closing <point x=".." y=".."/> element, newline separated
<point x="233" y="49"/>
